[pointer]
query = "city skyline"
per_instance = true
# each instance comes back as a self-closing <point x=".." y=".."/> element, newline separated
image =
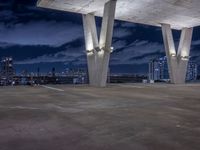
<point x="158" y="70"/>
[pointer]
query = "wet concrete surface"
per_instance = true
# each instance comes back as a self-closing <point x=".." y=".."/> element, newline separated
<point x="119" y="117"/>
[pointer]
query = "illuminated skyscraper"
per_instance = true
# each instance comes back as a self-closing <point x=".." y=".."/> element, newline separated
<point x="192" y="71"/>
<point x="7" y="70"/>
<point x="158" y="70"/>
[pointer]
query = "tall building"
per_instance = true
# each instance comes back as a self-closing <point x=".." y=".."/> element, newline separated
<point x="158" y="70"/>
<point x="192" y="72"/>
<point x="7" y="70"/>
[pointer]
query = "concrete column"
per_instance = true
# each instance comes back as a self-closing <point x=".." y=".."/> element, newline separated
<point x="91" y="41"/>
<point x="98" y="53"/>
<point x="177" y="61"/>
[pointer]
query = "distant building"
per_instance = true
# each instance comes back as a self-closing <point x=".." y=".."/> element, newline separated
<point x="158" y="70"/>
<point x="7" y="70"/>
<point x="192" y="72"/>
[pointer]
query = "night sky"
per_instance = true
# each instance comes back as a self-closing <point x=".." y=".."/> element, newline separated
<point x="37" y="37"/>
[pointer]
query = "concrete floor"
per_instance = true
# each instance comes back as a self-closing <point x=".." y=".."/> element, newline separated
<point x="120" y="117"/>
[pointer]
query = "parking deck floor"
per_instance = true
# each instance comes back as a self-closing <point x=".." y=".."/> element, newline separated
<point x="119" y="117"/>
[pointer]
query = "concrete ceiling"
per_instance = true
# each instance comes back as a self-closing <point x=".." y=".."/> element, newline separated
<point x="177" y="13"/>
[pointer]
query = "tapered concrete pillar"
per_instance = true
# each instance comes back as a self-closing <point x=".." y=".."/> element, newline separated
<point x="177" y="60"/>
<point x="98" y="52"/>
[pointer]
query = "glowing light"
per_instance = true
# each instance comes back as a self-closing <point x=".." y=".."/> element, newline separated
<point x="111" y="49"/>
<point x="89" y="45"/>
<point x="90" y="52"/>
<point x="173" y="55"/>
<point x="101" y="52"/>
<point x="185" y="57"/>
<point x="184" y="53"/>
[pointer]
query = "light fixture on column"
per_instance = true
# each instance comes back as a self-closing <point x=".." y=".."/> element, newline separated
<point x="111" y="49"/>
<point x="185" y="57"/>
<point x="108" y="50"/>
<point x="173" y="55"/>
<point x="97" y="49"/>
<point x="90" y="52"/>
